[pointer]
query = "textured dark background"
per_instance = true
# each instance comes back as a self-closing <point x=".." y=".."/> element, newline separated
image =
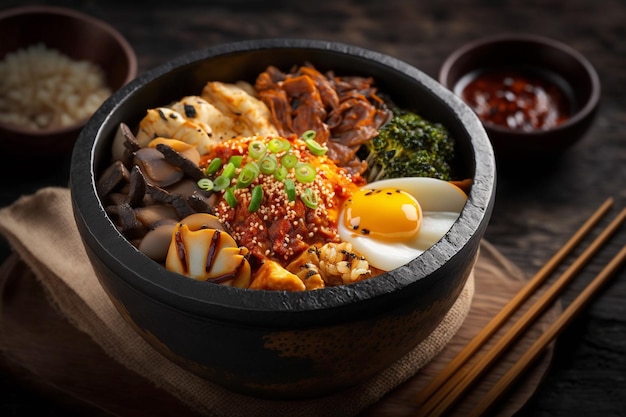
<point x="533" y="215"/>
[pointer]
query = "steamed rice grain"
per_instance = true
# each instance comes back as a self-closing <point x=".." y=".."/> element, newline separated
<point x="41" y="88"/>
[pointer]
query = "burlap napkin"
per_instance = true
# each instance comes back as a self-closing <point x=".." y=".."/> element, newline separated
<point x="41" y="229"/>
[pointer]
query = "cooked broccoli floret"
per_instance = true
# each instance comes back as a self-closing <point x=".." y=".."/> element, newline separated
<point x="410" y="146"/>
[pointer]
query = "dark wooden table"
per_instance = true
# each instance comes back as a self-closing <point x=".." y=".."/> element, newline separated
<point x="532" y="217"/>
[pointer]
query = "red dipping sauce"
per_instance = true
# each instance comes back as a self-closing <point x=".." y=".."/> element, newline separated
<point x="521" y="100"/>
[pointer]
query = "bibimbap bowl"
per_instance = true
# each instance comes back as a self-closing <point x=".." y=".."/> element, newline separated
<point x="278" y="343"/>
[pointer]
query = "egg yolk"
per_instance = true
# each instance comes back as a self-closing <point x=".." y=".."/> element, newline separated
<point x="386" y="214"/>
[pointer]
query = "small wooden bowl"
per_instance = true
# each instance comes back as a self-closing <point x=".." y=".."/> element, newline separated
<point x="76" y="35"/>
<point x="537" y="53"/>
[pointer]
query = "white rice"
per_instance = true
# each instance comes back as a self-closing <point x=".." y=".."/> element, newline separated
<point x="41" y="88"/>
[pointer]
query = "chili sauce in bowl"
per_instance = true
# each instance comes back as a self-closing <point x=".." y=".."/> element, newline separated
<point x="535" y="96"/>
<point x="524" y="99"/>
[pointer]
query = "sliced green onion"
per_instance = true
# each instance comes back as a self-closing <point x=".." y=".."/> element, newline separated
<point x="214" y="166"/>
<point x="305" y="172"/>
<point x="229" y="170"/>
<point x="256" y="199"/>
<point x="248" y="173"/>
<point x="276" y="145"/>
<point x="268" y="164"/>
<point x="289" y="160"/>
<point x="315" y="147"/>
<point x="205" y="184"/>
<point x="221" y="183"/>
<point x="281" y="173"/>
<point x="309" y="134"/>
<point x="309" y="198"/>
<point x="256" y="149"/>
<point x="290" y="189"/>
<point x="235" y="160"/>
<point x="229" y="196"/>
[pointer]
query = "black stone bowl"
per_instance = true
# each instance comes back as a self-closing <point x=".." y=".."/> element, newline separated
<point x="282" y="344"/>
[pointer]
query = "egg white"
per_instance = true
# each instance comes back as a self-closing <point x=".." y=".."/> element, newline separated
<point x="441" y="204"/>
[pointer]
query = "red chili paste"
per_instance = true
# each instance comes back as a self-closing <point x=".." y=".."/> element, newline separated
<point x="517" y="100"/>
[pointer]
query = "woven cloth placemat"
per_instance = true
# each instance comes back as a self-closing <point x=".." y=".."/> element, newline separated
<point x="41" y="229"/>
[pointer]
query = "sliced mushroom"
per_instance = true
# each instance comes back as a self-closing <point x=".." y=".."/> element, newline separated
<point x="117" y="198"/>
<point x="200" y="203"/>
<point x="154" y="214"/>
<point x="156" y="242"/>
<point x="112" y="177"/>
<point x="186" y="188"/>
<point x="130" y="141"/>
<point x="183" y="209"/>
<point x="124" y="143"/>
<point x="137" y="187"/>
<point x="175" y="158"/>
<point x="183" y="148"/>
<point x="125" y="220"/>
<point x="157" y="170"/>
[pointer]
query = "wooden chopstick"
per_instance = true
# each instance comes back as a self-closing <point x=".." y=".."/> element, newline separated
<point x="529" y="357"/>
<point x="509" y="309"/>
<point x="458" y="384"/>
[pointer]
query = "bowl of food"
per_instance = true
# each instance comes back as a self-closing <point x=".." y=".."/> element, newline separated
<point x="242" y="208"/>
<point x="57" y="66"/>
<point x="535" y="96"/>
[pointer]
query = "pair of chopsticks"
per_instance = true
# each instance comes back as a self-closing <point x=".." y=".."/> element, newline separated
<point x="447" y="388"/>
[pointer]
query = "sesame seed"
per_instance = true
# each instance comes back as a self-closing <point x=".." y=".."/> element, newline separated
<point x="276" y="207"/>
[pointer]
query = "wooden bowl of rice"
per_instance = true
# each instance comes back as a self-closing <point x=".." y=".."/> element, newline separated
<point x="54" y="75"/>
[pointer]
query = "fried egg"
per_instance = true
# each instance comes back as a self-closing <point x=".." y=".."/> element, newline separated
<point x="391" y="222"/>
